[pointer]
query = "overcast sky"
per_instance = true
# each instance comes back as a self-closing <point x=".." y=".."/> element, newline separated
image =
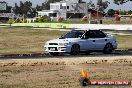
<point x="126" y="6"/>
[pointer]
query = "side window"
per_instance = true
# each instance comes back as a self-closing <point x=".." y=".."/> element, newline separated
<point x="90" y="34"/>
<point x="100" y="34"/>
<point x="94" y="34"/>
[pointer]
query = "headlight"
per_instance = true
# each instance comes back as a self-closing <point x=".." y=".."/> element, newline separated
<point x="63" y="44"/>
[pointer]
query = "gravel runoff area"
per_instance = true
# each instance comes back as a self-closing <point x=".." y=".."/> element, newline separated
<point x="63" y="72"/>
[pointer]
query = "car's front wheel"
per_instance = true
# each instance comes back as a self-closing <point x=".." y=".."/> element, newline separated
<point x="75" y="50"/>
<point x="108" y="49"/>
<point x="54" y="53"/>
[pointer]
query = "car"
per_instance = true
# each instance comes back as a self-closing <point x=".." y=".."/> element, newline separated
<point x="82" y="40"/>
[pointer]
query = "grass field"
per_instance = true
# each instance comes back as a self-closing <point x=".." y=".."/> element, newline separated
<point x="57" y="72"/>
<point x="23" y="40"/>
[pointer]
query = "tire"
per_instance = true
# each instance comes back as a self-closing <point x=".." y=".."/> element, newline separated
<point x="108" y="49"/>
<point x="75" y="50"/>
<point x="54" y="54"/>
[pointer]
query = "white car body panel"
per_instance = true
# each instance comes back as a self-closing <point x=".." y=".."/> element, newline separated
<point x="56" y="45"/>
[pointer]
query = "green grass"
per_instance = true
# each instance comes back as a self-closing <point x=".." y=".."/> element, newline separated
<point x="24" y="40"/>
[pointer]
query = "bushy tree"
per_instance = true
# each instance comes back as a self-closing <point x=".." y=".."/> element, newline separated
<point x="25" y="8"/>
<point x="111" y="12"/>
<point x="123" y="12"/>
<point x="102" y="5"/>
<point x="10" y="21"/>
<point x="39" y="8"/>
<point x="44" y="19"/>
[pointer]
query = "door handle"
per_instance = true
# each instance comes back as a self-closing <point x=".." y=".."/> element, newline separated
<point x="93" y="40"/>
<point x="105" y="39"/>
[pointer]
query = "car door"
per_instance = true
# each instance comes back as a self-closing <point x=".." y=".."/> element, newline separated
<point x="100" y="40"/>
<point x="87" y="42"/>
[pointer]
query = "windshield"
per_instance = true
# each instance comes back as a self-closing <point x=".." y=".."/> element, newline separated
<point x="73" y="34"/>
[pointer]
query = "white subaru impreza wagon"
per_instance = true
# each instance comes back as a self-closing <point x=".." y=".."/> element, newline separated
<point x="82" y="40"/>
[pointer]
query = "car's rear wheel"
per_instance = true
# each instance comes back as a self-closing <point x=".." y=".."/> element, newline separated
<point x="54" y="53"/>
<point x="108" y="49"/>
<point x="75" y="50"/>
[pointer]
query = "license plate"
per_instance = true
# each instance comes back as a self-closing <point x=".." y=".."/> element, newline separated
<point x="52" y="49"/>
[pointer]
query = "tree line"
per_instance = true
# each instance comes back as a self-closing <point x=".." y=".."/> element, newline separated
<point x="111" y="12"/>
<point x="26" y="8"/>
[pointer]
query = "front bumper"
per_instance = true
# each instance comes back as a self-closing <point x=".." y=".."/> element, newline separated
<point x="59" y="49"/>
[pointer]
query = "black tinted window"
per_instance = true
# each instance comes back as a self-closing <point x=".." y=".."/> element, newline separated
<point x="89" y="34"/>
<point x="94" y="34"/>
<point x="74" y="34"/>
<point x="99" y="34"/>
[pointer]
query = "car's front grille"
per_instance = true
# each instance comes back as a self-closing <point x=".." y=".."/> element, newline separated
<point x="53" y="43"/>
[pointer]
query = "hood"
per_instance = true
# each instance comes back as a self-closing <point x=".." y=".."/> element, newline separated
<point x="67" y="40"/>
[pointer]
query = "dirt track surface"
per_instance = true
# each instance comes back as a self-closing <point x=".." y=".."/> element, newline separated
<point x="63" y="72"/>
<point x="73" y="60"/>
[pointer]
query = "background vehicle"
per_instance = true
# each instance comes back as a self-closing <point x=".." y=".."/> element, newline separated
<point x="82" y="40"/>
